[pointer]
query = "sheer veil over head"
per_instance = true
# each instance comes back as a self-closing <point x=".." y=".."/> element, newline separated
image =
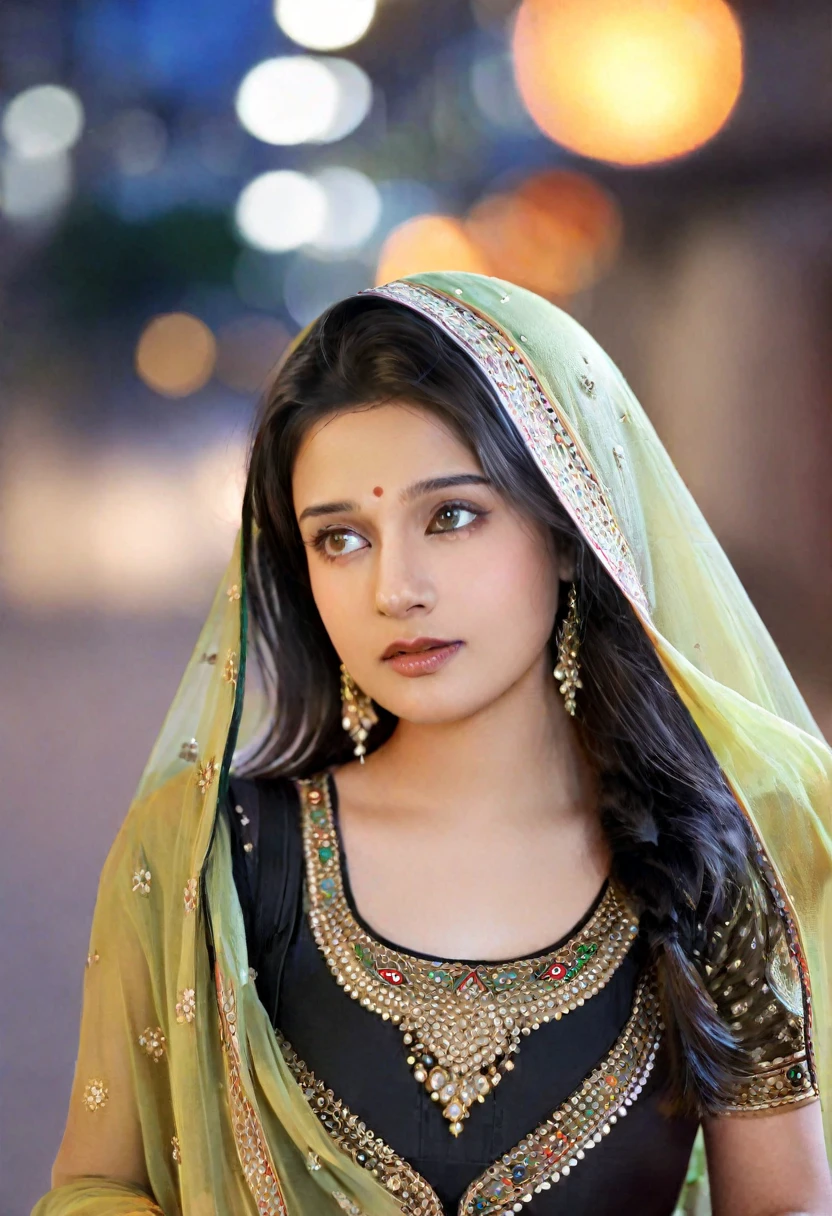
<point x="228" y="1092"/>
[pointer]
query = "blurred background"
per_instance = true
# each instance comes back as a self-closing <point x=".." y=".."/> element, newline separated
<point x="184" y="184"/>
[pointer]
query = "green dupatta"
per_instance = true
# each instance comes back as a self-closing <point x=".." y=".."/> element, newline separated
<point x="179" y="1073"/>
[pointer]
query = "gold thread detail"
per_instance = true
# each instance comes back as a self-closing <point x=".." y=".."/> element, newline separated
<point x="258" y="1169"/>
<point x="539" y="420"/>
<point x="95" y="1095"/>
<point x="461" y="1024"/>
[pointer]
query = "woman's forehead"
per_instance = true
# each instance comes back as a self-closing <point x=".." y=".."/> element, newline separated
<point x="387" y="443"/>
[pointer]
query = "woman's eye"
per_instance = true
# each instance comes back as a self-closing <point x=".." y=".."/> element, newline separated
<point x="450" y="519"/>
<point x="339" y="543"/>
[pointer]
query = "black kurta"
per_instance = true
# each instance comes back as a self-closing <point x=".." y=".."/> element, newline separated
<point x="639" y="1168"/>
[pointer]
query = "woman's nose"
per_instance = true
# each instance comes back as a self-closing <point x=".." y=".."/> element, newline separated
<point x="401" y="588"/>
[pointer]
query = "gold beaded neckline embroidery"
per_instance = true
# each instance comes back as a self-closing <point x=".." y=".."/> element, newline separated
<point x="538" y="1162"/>
<point x="461" y="1024"/>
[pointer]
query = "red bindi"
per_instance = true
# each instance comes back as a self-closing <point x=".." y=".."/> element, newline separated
<point x="377" y="490"/>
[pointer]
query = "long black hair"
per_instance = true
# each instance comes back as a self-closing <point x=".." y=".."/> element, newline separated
<point x="679" y="841"/>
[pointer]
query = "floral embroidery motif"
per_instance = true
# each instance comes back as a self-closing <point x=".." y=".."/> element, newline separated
<point x="191" y="894"/>
<point x="189" y="751"/>
<point x="539" y="420"/>
<point x="176" y="1151"/>
<point x="313" y="1162"/>
<point x="152" y="1042"/>
<point x="250" y="1139"/>
<point x="95" y="1095"/>
<point x="461" y="1024"/>
<point x="92" y="958"/>
<point x="186" y="1005"/>
<point x="141" y="881"/>
<point x="230" y="671"/>
<point x="550" y="1152"/>
<point x="233" y="592"/>
<point x="205" y="774"/>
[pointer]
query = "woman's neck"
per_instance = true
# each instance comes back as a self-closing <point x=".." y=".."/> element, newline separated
<point x="520" y="756"/>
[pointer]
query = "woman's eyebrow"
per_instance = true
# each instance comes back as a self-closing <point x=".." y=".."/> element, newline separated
<point x="429" y="485"/>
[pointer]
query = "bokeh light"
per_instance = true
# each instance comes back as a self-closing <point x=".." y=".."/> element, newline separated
<point x="248" y="348"/>
<point x="628" y="81"/>
<point x="176" y="354"/>
<point x="310" y="286"/>
<point x="281" y="210"/>
<point x="355" y="97"/>
<point x="353" y="207"/>
<point x="289" y="100"/>
<point x="34" y="189"/>
<point x="43" y="121"/>
<point x="555" y="234"/>
<point x="429" y="242"/>
<point x="324" y="25"/>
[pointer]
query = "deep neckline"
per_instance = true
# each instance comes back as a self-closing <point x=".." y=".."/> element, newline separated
<point x="346" y="885"/>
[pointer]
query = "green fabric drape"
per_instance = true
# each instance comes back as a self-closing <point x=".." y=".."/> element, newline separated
<point x="180" y="1085"/>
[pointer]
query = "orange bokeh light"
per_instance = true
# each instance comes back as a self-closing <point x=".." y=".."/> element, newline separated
<point x="176" y="354"/>
<point x="429" y="242"/>
<point x="555" y="234"/>
<point x="628" y="81"/>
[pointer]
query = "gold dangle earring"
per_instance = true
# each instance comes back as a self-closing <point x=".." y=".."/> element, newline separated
<point x="568" y="642"/>
<point x="358" y="715"/>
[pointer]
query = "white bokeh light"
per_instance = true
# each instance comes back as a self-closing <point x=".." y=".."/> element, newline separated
<point x="355" y="96"/>
<point x="289" y="100"/>
<point x="353" y="210"/>
<point x="34" y="189"/>
<point x="43" y="121"/>
<point x="281" y="210"/>
<point x="324" y="25"/>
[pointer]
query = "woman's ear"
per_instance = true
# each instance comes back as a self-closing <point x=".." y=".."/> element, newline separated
<point x="565" y="560"/>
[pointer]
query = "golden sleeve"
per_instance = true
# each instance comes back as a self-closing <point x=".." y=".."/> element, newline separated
<point x="755" y="983"/>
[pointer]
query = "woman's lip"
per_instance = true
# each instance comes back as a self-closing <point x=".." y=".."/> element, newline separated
<point x="423" y="662"/>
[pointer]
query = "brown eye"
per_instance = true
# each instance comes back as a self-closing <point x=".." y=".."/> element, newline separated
<point x="337" y="543"/>
<point x="452" y="518"/>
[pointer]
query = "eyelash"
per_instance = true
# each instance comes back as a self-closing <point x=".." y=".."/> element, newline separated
<point x="318" y="541"/>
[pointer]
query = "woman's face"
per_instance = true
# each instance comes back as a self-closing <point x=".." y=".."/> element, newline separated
<point x="407" y="542"/>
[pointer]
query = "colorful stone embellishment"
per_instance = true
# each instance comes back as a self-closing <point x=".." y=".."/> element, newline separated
<point x="461" y="1024"/>
<point x="141" y="881"/>
<point x="186" y="1005"/>
<point x="540" y="420"/>
<point x="152" y="1042"/>
<point x="95" y="1095"/>
<point x="559" y="1144"/>
<point x="551" y="1151"/>
<point x="205" y="775"/>
<point x="190" y="894"/>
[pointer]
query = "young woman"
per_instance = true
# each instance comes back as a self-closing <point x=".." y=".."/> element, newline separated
<point x="527" y="873"/>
